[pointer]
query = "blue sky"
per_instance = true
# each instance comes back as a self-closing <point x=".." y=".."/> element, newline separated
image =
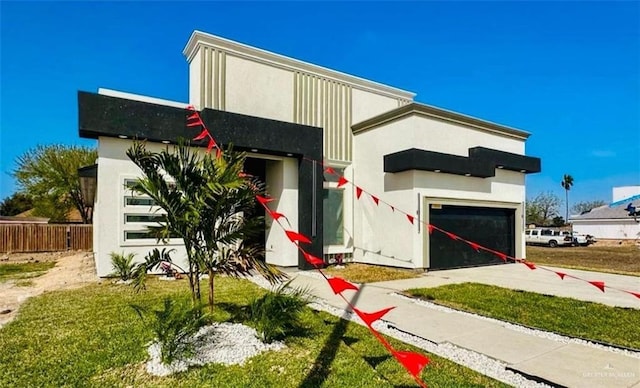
<point x="569" y="73"/>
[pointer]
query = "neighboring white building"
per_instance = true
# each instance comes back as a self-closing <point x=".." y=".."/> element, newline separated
<point x="460" y="173"/>
<point x="612" y="221"/>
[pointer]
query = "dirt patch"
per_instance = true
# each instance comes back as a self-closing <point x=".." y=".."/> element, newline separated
<point x="72" y="270"/>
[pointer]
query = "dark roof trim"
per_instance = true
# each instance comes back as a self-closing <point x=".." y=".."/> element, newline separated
<point x="101" y="115"/>
<point x="481" y="162"/>
<point x="438" y="114"/>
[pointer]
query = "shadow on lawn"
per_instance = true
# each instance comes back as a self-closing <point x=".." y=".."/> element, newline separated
<point x="320" y="371"/>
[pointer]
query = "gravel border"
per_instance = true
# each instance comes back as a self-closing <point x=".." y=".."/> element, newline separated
<point x="522" y="329"/>
<point x="223" y="343"/>
<point x="470" y="359"/>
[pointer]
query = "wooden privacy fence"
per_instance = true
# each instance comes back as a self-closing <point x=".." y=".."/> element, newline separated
<point x="45" y="237"/>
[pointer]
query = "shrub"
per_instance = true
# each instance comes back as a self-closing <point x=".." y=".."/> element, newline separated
<point x="174" y="327"/>
<point x="277" y="313"/>
<point x="123" y="265"/>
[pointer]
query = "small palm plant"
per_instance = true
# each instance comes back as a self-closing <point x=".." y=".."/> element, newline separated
<point x="174" y="326"/>
<point x="278" y="313"/>
<point x="210" y="206"/>
<point x="123" y="265"/>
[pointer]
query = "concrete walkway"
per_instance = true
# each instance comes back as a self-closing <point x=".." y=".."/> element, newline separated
<point x="571" y="365"/>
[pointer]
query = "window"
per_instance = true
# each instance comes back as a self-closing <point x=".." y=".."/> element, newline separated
<point x="128" y="218"/>
<point x="333" y="216"/>
<point x="139" y="201"/>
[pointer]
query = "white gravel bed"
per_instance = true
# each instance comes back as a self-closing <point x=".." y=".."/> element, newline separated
<point x="470" y="359"/>
<point x="224" y="343"/>
<point x="522" y="329"/>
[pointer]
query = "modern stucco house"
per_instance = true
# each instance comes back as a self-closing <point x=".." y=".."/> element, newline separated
<point x="458" y="172"/>
<point x="612" y="221"/>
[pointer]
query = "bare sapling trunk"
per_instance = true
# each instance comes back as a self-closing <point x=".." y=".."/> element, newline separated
<point x="211" y="277"/>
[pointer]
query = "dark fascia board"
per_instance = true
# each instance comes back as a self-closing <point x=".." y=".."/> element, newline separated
<point x="438" y="114"/>
<point x="481" y="162"/>
<point x="100" y="115"/>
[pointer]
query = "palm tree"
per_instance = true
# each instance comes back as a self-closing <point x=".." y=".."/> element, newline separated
<point x="210" y="206"/>
<point x="567" y="182"/>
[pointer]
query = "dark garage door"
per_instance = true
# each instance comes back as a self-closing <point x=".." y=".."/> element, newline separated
<point x="490" y="227"/>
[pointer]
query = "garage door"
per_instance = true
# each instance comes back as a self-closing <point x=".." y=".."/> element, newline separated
<point x="490" y="227"/>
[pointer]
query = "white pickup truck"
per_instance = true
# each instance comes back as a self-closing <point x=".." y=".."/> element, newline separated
<point x="548" y="237"/>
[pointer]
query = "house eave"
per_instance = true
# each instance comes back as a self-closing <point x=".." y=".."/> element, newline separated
<point x="423" y="110"/>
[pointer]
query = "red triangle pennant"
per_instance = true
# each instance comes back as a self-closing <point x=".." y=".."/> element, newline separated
<point x="413" y="362"/>
<point x="264" y="200"/>
<point x="338" y="285"/>
<point x="193" y="116"/>
<point x="190" y="107"/>
<point x="342" y="181"/>
<point x="202" y="135"/>
<point x="329" y="170"/>
<point x="597" y="284"/>
<point x="375" y="199"/>
<point x="529" y="264"/>
<point x="451" y="235"/>
<point x="430" y="227"/>
<point x="561" y="274"/>
<point x="358" y="192"/>
<point x="311" y="259"/>
<point x="195" y="123"/>
<point x="475" y="246"/>
<point x="218" y="152"/>
<point x="295" y="236"/>
<point x="212" y="143"/>
<point x="275" y="215"/>
<point x="410" y="218"/>
<point x="369" y="318"/>
<point x="636" y="294"/>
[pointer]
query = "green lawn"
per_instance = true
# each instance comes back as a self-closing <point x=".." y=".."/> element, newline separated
<point x="614" y="325"/>
<point x="24" y="270"/>
<point x="366" y="273"/>
<point x="91" y="337"/>
<point x="620" y="259"/>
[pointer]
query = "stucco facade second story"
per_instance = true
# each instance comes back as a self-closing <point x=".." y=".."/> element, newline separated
<point x="234" y="77"/>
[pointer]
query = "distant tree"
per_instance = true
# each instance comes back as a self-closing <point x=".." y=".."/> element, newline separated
<point x="15" y="204"/>
<point x="585" y="206"/>
<point x="567" y="182"/>
<point x="558" y="221"/>
<point x="49" y="175"/>
<point x="541" y="209"/>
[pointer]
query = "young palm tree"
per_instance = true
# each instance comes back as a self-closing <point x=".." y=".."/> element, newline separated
<point x="567" y="182"/>
<point x="209" y="205"/>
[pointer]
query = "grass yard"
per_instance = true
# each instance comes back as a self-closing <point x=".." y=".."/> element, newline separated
<point x="365" y="273"/>
<point x="91" y="337"/>
<point x="614" y="325"/>
<point x="621" y="259"/>
<point x="16" y="271"/>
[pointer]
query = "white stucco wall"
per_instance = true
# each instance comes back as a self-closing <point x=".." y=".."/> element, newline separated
<point x="109" y="217"/>
<point x="258" y="89"/>
<point x="609" y="229"/>
<point x="366" y="105"/>
<point x="377" y="229"/>
<point x="195" y="80"/>
<point x="109" y="223"/>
